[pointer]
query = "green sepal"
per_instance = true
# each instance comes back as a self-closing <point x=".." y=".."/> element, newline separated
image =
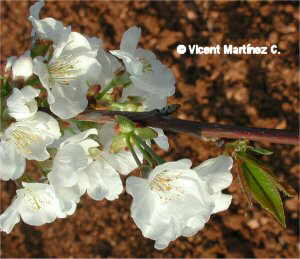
<point x="118" y="143"/>
<point x="262" y="188"/>
<point x="5" y="88"/>
<point x="260" y="150"/>
<point x="34" y="80"/>
<point x="126" y="125"/>
<point x="145" y="133"/>
<point x="39" y="50"/>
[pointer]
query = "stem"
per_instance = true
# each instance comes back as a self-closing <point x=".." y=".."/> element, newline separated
<point x="198" y="129"/>
<point x="149" y="150"/>
<point x="133" y="152"/>
<point x="145" y="154"/>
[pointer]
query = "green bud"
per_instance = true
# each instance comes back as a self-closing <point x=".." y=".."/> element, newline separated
<point x="126" y="107"/>
<point x="118" y="143"/>
<point x="126" y="125"/>
<point x="146" y="133"/>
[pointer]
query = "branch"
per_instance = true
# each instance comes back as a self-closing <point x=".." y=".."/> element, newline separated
<point x="211" y="130"/>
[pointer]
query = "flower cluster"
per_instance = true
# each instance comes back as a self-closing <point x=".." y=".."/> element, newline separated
<point x="50" y="85"/>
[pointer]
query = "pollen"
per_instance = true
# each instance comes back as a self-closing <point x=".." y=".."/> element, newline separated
<point x="35" y="201"/>
<point x="164" y="184"/>
<point x="23" y="138"/>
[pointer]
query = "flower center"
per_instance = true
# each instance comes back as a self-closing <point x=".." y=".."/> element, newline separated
<point x="63" y="70"/>
<point x="34" y="201"/>
<point x="164" y="184"/>
<point x="146" y="65"/>
<point x="23" y="139"/>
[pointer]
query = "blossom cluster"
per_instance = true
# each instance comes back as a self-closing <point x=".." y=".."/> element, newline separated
<point x="170" y="199"/>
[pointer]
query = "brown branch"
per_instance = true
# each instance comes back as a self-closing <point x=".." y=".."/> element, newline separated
<point x="198" y="129"/>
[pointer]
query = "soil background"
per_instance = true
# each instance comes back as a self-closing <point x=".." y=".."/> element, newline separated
<point x="246" y="90"/>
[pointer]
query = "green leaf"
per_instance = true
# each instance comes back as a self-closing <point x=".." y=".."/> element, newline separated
<point x="262" y="188"/>
<point x="282" y="186"/>
<point x="261" y="151"/>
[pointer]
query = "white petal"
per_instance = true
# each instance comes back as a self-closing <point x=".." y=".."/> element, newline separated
<point x="75" y="45"/>
<point x="69" y="100"/>
<point x="50" y="29"/>
<point x="68" y="196"/>
<point x="106" y="133"/>
<point x="12" y="163"/>
<point x="10" y="217"/>
<point x="105" y="182"/>
<point x="109" y="65"/>
<point x="80" y="137"/>
<point x="35" y="9"/>
<point x="67" y="162"/>
<point x="222" y="202"/>
<point x="123" y="161"/>
<point x="41" y="70"/>
<point x="216" y="172"/>
<point x="130" y="39"/>
<point x="22" y="68"/>
<point x="161" y="140"/>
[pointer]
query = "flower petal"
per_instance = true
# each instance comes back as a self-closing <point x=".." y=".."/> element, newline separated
<point x="216" y="172"/>
<point x="12" y="163"/>
<point x="130" y="39"/>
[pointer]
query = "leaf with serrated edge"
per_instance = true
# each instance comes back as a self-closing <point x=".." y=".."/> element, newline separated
<point x="263" y="190"/>
<point x="283" y="187"/>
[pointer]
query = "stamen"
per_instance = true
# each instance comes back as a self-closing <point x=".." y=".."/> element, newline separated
<point x="23" y="139"/>
<point x="164" y="185"/>
<point x="35" y="202"/>
<point x="63" y="70"/>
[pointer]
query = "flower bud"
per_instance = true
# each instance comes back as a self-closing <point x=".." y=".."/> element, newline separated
<point x="22" y="68"/>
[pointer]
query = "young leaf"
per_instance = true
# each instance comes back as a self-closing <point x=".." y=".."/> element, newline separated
<point x="282" y="186"/>
<point x="263" y="189"/>
<point x="261" y="151"/>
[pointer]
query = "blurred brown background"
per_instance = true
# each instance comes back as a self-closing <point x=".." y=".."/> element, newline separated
<point x="250" y="90"/>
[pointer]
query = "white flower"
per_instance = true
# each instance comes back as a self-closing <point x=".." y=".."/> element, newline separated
<point x="26" y="139"/>
<point x="71" y="157"/>
<point x="36" y="204"/>
<point x="22" y="67"/>
<point x="72" y="68"/>
<point x="22" y="104"/>
<point x="150" y="78"/>
<point x="176" y="200"/>
<point x="66" y="77"/>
